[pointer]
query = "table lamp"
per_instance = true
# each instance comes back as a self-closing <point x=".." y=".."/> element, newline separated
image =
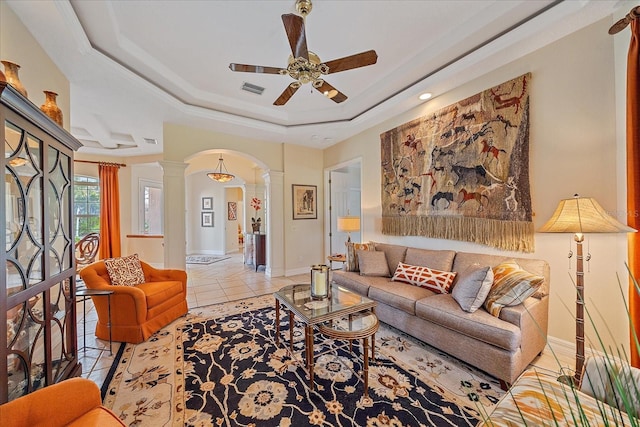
<point x="348" y="223"/>
<point x="581" y="215"/>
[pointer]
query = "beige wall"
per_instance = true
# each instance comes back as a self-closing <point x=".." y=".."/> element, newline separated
<point x="182" y="142"/>
<point x="304" y="243"/>
<point x="37" y="71"/>
<point x="572" y="150"/>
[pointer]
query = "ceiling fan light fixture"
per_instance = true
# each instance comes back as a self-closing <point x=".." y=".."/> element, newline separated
<point x="425" y="96"/>
<point x="330" y="93"/>
<point x="219" y="174"/>
<point x="304" y="7"/>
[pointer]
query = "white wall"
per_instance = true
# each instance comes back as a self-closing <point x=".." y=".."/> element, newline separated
<point x="572" y="150"/>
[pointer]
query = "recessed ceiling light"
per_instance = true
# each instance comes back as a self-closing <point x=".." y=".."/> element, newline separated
<point x="425" y="96"/>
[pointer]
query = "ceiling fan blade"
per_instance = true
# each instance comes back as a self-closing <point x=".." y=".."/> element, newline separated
<point x="287" y="94"/>
<point x="358" y="60"/>
<point x="294" y="26"/>
<point x="331" y="92"/>
<point x="254" y="69"/>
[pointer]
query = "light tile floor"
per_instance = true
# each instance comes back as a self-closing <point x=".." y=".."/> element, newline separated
<point x="221" y="281"/>
<point x="224" y="281"/>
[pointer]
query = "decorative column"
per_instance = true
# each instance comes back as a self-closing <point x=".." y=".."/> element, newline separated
<point x="175" y="235"/>
<point x="274" y="213"/>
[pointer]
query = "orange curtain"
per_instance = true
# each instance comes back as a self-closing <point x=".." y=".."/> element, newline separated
<point x="633" y="181"/>
<point x="109" y="210"/>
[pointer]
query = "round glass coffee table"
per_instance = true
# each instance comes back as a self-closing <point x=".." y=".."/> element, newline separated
<point x="352" y="327"/>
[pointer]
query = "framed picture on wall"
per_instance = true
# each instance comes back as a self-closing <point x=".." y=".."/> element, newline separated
<point x="207" y="203"/>
<point x="305" y="203"/>
<point x="206" y="219"/>
<point x="232" y="211"/>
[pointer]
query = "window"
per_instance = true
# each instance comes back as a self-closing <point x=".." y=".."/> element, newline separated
<point x="150" y="208"/>
<point x="86" y="205"/>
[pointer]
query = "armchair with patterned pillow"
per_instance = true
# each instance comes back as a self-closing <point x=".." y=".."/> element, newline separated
<point x="144" y="298"/>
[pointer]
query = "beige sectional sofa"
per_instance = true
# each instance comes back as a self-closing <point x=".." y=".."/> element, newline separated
<point x="501" y="346"/>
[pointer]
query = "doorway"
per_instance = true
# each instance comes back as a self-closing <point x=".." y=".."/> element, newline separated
<point x="344" y="195"/>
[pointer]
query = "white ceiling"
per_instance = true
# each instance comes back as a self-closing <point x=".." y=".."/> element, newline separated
<point x="133" y="65"/>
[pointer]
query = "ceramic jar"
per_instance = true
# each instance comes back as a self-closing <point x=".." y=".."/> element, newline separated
<point x="50" y="108"/>
<point x="11" y="75"/>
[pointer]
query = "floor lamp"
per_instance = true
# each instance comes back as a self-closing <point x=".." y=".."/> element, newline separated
<point x="581" y="215"/>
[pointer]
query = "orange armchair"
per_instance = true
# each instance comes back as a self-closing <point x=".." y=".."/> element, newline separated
<point x="73" y="402"/>
<point x="137" y="311"/>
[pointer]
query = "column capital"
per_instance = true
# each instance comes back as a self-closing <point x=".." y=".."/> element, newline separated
<point x="172" y="168"/>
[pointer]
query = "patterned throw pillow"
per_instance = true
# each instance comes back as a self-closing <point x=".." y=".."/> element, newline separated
<point x="125" y="271"/>
<point x="511" y="286"/>
<point x="352" y="254"/>
<point x="425" y="277"/>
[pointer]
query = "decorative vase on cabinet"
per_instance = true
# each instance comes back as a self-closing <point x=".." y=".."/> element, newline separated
<point x="50" y="108"/>
<point x="11" y="74"/>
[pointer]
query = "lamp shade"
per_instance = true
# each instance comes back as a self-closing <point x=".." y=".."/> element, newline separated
<point x="348" y="223"/>
<point x="582" y="215"/>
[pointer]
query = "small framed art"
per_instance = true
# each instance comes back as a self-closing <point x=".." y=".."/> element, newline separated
<point x="207" y="203"/>
<point x="206" y="219"/>
<point x="232" y="211"/>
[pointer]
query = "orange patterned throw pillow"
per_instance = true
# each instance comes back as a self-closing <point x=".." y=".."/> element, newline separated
<point x="125" y="271"/>
<point x="434" y="280"/>
<point x="511" y="286"/>
<point x="352" y="254"/>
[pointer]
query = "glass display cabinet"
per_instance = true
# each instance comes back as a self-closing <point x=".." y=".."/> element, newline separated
<point x="39" y="286"/>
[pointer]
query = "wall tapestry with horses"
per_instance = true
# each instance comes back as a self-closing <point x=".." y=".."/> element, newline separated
<point x="462" y="173"/>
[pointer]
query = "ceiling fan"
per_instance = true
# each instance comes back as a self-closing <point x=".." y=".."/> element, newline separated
<point x="305" y="66"/>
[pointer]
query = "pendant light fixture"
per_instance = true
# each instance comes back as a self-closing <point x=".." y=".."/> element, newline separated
<point x="218" y="174"/>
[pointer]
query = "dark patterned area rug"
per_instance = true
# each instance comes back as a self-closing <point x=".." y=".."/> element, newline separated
<point x="221" y="367"/>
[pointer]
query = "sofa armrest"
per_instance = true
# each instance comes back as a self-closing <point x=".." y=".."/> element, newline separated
<point x="153" y="274"/>
<point x="56" y="405"/>
<point x="532" y="317"/>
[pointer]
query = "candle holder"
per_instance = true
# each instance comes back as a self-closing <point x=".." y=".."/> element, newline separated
<point x="319" y="281"/>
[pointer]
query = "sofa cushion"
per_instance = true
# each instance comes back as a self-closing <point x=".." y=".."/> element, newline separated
<point x="437" y="259"/>
<point x="158" y="292"/>
<point x="125" y="271"/>
<point x="373" y="263"/>
<point x="352" y="256"/>
<point x="445" y="311"/>
<point x="473" y="287"/>
<point x="354" y="281"/>
<point x="511" y="286"/>
<point x="402" y="296"/>
<point x="425" y="277"/>
<point x="394" y="253"/>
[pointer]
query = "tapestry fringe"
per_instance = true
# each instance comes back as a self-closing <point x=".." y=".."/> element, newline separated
<point x="506" y="235"/>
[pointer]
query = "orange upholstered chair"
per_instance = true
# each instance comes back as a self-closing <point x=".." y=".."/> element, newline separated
<point x="73" y="402"/>
<point x="137" y="311"/>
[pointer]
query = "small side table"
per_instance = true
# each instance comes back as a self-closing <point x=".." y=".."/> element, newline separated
<point x="85" y="294"/>
<point x="337" y="258"/>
